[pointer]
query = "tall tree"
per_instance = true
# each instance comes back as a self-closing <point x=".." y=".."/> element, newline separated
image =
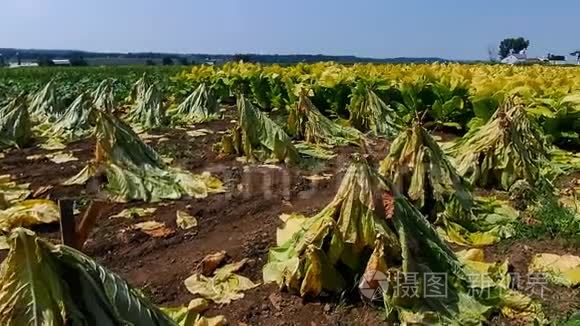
<point x="167" y="61"/>
<point x="515" y="44"/>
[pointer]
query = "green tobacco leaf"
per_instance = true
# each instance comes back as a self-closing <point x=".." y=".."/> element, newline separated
<point x="148" y="111"/>
<point x="15" y="125"/>
<point x="369" y="113"/>
<point x="102" y="296"/>
<point x="307" y="123"/>
<point x="189" y="316"/>
<point x="507" y="148"/>
<point x="200" y="106"/>
<point x="43" y="284"/>
<point x="135" y="171"/>
<point x="455" y="233"/>
<point x="44" y="104"/>
<point x="314" y="151"/>
<point x="292" y="224"/>
<point x="31" y="291"/>
<point x="329" y="251"/>
<point x="490" y="221"/>
<point x="76" y="122"/>
<point x="104" y="97"/>
<point x="421" y="170"/>
<point x="258" y="137"/>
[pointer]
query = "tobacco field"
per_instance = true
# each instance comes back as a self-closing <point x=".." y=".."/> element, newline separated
<point x="310" y="194"/>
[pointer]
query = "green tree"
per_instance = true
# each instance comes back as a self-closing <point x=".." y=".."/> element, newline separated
<point x="242" y="57"/>
<point x="78" y="61"/>
<point x="515" y="44"/>
<point x="45" y="61"/>
<point x="167" y="61"/>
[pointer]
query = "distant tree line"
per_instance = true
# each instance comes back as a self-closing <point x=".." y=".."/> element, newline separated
<point x="194" y="58"/>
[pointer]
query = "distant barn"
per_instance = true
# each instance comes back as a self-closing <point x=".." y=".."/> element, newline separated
<point x="555" y="59"/>
<point x="61" y="62"/>
<point x="519" y="59"/>
<point x="22" y="64"/>
<point x="515" y="58"/>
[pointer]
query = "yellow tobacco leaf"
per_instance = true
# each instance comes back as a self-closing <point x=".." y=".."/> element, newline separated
<point x="562" y="270"/>
<point x="185" y="221"/>
<point x="154" y="229"/>
<point x="199" y="132"/>
<point x="135" y="212"/>
<point x="292" y="223"/>
<point x="28" y="213"/>
<point x="62" y="157"/>
<point x="223" y="287"/>
<point x="311" y="284"/>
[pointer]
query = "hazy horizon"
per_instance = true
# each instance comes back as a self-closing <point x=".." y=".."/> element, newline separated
<point x="448" y="29"/>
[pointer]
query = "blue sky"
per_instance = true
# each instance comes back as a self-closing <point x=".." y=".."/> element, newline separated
<point x="455" y="29"/>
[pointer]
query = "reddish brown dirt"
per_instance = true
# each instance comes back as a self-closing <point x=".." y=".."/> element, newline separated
<point x="556" y="300"/>
<point x="242" y="222"/>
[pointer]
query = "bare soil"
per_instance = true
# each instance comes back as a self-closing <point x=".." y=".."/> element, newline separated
<point x="242" y="222"/>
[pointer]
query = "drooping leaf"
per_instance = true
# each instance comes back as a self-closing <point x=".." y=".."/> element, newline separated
<point x="326" y="253"/>
<point x="149" y="110"/>
<point x="369" y="113"/>
<point x="15" y="125"/>
<point x="347" y="226"/>
<point x="420" y="169"/>
<point x="200" y="106"/>
<point x="31" y="290"/>
<point x="103" y="96"/>
<point x="489" y="221"/>
<point x="139" y="88"/>
<point x="45" y="104"/>
<point x="305" y="122"/>
<point x="507" y="148"/>
<point x="135" y="171"/>
<point x="258" y="137"/>
<point x="75" y="123"/>
<point x="43" y="284"/>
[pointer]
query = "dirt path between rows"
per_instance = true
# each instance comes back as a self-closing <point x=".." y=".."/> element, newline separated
<point x="242" y="222"/>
